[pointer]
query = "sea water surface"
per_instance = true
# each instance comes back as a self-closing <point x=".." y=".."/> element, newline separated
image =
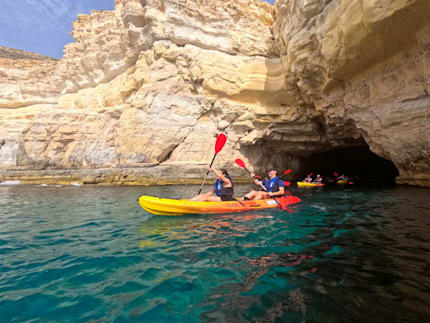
<point x="78" y="254"/>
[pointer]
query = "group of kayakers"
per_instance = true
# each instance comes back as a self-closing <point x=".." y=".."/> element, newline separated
<point x="319" y="179"/>
<point x="271" y="186"/>
<point x="223" y="188"/>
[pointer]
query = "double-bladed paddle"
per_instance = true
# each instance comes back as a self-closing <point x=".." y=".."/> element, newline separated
<point x="219" y="144"/>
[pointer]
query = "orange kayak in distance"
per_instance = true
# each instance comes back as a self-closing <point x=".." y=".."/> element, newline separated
<point x="164" y="206"/>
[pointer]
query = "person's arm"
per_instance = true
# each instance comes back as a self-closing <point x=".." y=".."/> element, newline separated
<point x="256" y="181"/>
<point x="280" y="192"/>
<point x="222" y="177"/>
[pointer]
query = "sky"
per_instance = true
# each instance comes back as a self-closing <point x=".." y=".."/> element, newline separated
<point x="44" y="26"/>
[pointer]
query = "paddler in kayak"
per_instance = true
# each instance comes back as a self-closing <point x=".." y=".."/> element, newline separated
<point x="342" y="178"/>
<point x="273" y="186"/>
<point x="318" y="179"/>
<point x="222" y="190"/>
<point x="308" y="179"/>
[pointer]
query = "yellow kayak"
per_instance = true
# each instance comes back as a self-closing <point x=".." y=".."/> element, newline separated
<point x="303" y="184"/>
<point x="163" y="206"/>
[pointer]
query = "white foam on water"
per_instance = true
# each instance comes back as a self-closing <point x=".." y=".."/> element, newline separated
<point x="10" y="183"/>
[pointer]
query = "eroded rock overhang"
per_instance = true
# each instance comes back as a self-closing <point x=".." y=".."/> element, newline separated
<point x="364" y="64"/>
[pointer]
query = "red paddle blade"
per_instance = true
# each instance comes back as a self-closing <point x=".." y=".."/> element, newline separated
<point x="287" y="172"/>
<point x="220" y="142"/>
<point x="287" y="183"/>
<point x="240" y="162"/>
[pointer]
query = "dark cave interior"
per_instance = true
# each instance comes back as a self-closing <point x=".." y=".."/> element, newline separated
<point x="357" y="162"/>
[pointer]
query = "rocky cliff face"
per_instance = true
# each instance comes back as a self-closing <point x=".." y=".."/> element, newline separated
<point x="26" y="82"/>
<point x="364" y="64"/>
<point x="142" y="93"/>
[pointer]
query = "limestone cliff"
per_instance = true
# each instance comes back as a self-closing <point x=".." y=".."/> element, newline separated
<point x="145" y="89"/>
<point x="364" y="64"/>
<point x="142" y="93"/>
<point x="26" y="81"/>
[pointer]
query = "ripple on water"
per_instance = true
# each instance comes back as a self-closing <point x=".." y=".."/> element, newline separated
<point x="92" y="254"/>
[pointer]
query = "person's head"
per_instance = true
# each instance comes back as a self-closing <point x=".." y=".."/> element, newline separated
<point x="224" y="172"/>
<point x="318" y="175"/>
<point x="271" y="172"/>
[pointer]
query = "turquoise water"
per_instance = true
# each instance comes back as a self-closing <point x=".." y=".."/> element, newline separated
<point x="91" y="254"/>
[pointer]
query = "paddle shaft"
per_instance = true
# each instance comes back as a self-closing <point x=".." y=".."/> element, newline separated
<point x="239" y="201"/>
<point x="207" y="173"/>
<point x="249" y="172"/>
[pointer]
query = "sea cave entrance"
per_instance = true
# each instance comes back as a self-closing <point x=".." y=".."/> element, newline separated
<point x="358" y="162"/>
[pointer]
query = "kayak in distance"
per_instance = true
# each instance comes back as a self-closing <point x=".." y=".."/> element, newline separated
<point x="344" y="182"/>
<point x="304" y="184"/>
<point x="164" y="206"/>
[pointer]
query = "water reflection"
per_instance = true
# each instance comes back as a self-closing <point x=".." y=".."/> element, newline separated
<point x="209" y="227"/>
<point x="91" y="254"/>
